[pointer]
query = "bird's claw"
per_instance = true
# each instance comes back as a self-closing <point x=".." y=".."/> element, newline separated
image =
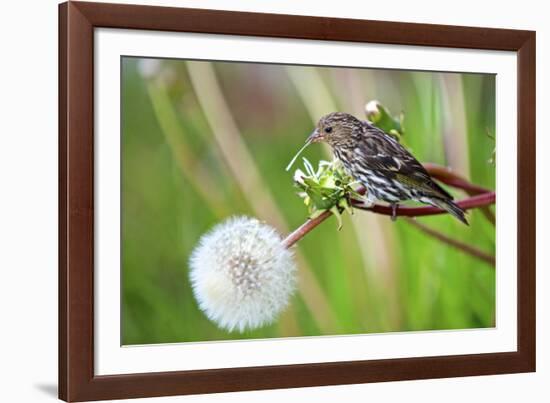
<point x="394" y="207"/>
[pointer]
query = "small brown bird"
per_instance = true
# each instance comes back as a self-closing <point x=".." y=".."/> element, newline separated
<point x="387" y="170"/>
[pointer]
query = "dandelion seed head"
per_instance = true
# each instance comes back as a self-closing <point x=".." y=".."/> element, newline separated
<point x="242" y="275"/>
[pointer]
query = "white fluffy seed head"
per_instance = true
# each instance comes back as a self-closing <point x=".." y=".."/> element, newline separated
<point x="242" y="275"/>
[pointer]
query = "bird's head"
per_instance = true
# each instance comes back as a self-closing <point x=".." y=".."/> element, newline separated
<point x="338" y="129"/>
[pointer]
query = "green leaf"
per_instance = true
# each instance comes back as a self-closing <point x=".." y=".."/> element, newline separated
<point x="326" y="188"/>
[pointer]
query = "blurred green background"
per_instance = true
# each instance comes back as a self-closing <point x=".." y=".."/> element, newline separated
<point x="202" y="141"/>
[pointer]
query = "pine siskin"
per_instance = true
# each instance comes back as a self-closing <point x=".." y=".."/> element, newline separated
<point x="387" y="170"/>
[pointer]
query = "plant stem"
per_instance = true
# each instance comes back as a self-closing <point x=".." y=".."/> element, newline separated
<point x="469" y="203"/>
<point x="480" y="200"/>
<point x="303" y="229"/>
<point x="470" y="250"/>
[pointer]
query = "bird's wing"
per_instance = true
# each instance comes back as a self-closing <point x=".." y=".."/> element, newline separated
<point x="384" y="154"/>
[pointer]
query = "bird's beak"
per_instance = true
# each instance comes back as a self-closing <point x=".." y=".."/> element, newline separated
<point x="314" y="137"/>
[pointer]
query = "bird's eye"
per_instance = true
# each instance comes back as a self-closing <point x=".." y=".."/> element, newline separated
<point x="328" y="129"/>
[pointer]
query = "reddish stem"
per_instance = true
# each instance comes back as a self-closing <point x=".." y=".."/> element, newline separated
<point x="481" y="198"/>
<point x="469" y="249"/>
<point x="303" y="229"/>
<point x="472" y="202"/>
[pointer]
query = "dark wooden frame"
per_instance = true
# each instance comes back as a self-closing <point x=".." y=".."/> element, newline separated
<point x="77" y="21"/>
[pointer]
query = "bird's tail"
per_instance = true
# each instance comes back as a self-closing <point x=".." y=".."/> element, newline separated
<point x="452" y="208"/>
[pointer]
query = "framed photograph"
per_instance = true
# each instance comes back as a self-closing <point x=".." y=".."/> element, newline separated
<point x="254" y="201"/>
